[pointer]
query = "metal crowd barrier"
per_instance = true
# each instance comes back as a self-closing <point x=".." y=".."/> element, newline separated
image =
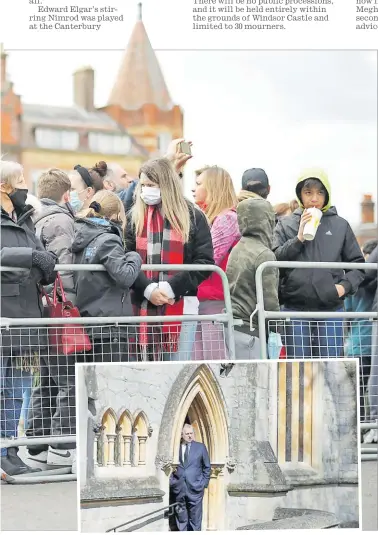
<point x="307" y="335"/>
<point x="42" y="380"/>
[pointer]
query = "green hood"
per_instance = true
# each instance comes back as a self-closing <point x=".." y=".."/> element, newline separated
<point x="256" y="219"/>
<point x="314" y="172"/>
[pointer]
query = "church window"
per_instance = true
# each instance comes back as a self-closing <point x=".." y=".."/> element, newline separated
<point x="108" y="438"/>
<point x="140" y="439"/>
<point x="295" y="412"/>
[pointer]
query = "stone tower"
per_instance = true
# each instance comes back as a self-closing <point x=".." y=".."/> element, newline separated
<point x="140" y="100"/>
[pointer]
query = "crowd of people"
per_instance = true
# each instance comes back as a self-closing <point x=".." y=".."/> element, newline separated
<point x="102" y="215"/>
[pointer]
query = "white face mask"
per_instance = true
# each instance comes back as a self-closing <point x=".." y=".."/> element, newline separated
<point x="151" y="196"/>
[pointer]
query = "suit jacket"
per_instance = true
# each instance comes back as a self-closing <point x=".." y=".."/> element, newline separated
<point x="191" y="478"/>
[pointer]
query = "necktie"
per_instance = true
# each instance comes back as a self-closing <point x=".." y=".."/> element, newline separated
<point x="186" y="454"/>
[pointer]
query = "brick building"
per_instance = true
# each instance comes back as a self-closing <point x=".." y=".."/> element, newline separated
<point x="367" y="228"/>
<point x="138" y="122"/>
<point x="11" y="116"/>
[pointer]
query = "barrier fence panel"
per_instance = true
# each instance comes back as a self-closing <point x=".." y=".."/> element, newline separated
<point x="39" y="408"/>
<point x="312" y="335"/>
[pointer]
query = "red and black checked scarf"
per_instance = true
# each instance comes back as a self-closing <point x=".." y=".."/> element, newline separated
<point x="159" y="244"/>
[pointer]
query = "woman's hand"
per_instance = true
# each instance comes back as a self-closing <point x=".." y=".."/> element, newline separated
<point x="177" y="158"/>
<point x="159" y="298"/>
<point x="306" y="217"/>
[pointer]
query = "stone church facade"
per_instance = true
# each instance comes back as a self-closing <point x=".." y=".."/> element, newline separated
<point x="281" y="437"/>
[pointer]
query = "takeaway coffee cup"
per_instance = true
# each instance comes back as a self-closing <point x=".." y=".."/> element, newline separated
<point x="311" y="227"/>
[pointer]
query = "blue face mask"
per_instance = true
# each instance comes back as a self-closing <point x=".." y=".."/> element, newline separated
<point x="75" y="202"/>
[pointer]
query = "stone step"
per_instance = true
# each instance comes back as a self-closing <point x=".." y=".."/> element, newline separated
<point x="313" y="520"/>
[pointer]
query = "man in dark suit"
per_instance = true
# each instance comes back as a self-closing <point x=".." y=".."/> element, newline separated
<point x="189" y="481"/>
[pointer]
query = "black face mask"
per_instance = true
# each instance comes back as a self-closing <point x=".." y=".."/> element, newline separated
<point x="18" y="197"/>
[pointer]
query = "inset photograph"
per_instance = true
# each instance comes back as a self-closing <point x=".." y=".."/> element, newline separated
<point x="218" y="446"/>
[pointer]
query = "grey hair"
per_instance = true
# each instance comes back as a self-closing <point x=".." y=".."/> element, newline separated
<point x="10" y="172"/>
<point x="187" y="425"/>
<point x="109" y="172"/>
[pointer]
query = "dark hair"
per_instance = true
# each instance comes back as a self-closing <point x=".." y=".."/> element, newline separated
<point x="313" y="183"/>
<point x="101" y="168"/>
<point x="258" y="188"/>
<point x="96" y="206"/>
<point x="369" y="246"/>
<point x="97" y="174"/>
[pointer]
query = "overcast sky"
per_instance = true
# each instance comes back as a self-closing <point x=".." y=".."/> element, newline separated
<point x="281" y="110"/>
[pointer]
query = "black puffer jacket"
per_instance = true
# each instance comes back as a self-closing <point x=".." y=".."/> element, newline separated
<point x="314" y="289"/>
<point x="20" y="291"/>
<point x="103" y="293"/>
<point x="198" y="250"/>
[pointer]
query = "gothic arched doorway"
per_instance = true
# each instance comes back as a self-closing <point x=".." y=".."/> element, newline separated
<point x="202" y="406"/>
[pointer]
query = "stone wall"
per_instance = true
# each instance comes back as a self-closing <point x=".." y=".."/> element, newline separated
<point x="103" y="518"/>
<point x="333" y="477"/>
<point x="341" y="500"/>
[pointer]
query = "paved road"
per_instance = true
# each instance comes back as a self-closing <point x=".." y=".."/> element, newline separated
<point x="41" y="507"/>
<point x="52" y="506"/>
<point x="369" y="476"/>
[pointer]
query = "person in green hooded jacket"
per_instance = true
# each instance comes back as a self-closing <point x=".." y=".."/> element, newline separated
<point x="316" y="289"/>
<point x="256" y="220"/>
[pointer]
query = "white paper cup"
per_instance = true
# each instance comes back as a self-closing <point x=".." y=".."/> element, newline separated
<point x="311" y="227"/>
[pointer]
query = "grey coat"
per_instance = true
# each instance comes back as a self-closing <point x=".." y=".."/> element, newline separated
<point x="99" y="293"/>
<point x="54" y="226"/>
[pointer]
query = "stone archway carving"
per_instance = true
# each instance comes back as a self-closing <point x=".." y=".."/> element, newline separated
<point x="196" y="393"/>
<point x="203" y="396"/>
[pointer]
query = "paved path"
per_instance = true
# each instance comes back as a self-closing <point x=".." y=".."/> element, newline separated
<point x="369" y="476"/>
<point x="41" y="507"/>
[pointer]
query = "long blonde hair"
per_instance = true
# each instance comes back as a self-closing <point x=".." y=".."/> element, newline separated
<point x="175" y="208"/>
<point x="109" y="205"/>
<point x="220" y="191"/>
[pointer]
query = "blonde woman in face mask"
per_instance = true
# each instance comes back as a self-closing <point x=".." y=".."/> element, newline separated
<point x="165" y="228"/>
<point x="99" y="240"/>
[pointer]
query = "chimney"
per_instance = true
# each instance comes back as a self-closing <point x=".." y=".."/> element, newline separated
<point x="3" y="78"/>
<point x="84" y="88"/>
<point x="367" y="209"/>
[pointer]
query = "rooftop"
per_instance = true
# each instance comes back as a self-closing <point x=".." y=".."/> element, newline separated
<point x="69" y="116"/>
<point x="140" y="79"/>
